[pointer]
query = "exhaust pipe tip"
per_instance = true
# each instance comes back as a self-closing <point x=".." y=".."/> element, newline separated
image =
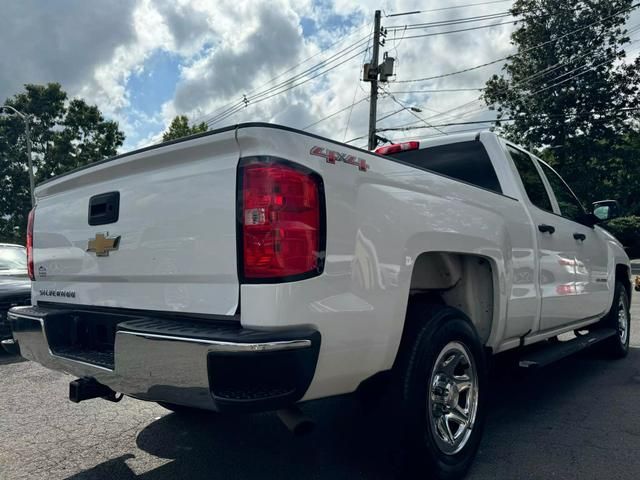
<point x="296" y="421"/>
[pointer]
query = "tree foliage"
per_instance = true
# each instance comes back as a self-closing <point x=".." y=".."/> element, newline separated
<point x="65" y="134"/>
<point x="180" y="128"/>
<point x="573" y="96"/>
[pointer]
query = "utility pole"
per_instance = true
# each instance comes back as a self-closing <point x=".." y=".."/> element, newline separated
<point x="27" y="131"/>
<point x="373" y="78"/>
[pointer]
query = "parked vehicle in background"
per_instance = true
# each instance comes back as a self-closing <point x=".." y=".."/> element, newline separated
<point x="252" y="267"/>
<point x="15" y="286"/>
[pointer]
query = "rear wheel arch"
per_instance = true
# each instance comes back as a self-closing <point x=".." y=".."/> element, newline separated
<point x="467" y="282"/>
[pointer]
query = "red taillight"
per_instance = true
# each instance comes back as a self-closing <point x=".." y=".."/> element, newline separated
<point x="281" y="220"/>
<point x="30" y="244"/>
<point x="397" y="147"/>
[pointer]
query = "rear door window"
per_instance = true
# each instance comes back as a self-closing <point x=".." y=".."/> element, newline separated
<point x="466" y="161"/>
<point x="531" y="179"/>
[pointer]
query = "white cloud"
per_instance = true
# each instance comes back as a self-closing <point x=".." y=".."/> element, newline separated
<point x="231" y="47"/>
<point x="42" y="42"/>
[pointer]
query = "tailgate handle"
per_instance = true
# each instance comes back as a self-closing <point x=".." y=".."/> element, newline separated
<point x="104" y="208"/>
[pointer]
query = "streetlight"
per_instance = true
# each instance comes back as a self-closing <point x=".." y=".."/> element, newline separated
<point x="25" y="118"/>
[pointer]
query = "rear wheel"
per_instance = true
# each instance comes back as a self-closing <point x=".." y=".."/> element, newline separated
<point x="618" y="318"/>
<point x="443" y="390"/>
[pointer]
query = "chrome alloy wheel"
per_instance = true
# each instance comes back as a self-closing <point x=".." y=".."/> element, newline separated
<point x="453" y="398"/>
<point x="623" y="320"/>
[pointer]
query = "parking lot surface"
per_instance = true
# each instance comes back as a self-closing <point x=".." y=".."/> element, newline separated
<point x="575" y="419"/>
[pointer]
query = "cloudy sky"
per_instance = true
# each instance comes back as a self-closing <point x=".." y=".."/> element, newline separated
<point x="295" y="61"/>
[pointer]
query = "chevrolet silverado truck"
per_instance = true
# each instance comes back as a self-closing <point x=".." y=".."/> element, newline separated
<point x="257" y="266"/>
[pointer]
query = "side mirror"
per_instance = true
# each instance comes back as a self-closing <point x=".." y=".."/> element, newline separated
<point x="606" y="209"/>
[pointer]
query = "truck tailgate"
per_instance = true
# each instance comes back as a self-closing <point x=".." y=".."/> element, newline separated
<point x="173" y="245"/>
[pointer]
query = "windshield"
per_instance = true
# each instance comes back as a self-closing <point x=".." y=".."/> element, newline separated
<point x="13" y="258"/>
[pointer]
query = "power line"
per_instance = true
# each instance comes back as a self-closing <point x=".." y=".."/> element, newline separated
<point x="534" y="76"/>
<point x="297" y="84"/>
<point x="478" y="110"/>
<point x="234" y="107"/>
<point x="509" y="57"/>
<point x="588" y="69"/>
<point x="451" y="132"/>
<point x="391" y="114"/>
<point x="324" y="50"/>
<point x="440" y="90"/>
<point x="453" y="21"/>
<point x="475" y="122"/>
<point x="531" y="77"/>
<point x="337" y="112"/>
<point x="607" y="58"/>
<point x="289" y="83"/>
<point x="246" y="100"/>
<point x="460" y="30"/>
<point x="413" y="113"/>
<point x="445" y="8"/>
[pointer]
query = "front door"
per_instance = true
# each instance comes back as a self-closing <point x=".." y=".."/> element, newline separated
<point x="591" y="285"/>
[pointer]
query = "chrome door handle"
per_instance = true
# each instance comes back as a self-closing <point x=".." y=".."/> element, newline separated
<point x="544" y="228"/>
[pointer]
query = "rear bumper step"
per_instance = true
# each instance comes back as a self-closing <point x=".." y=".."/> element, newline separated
<point x="217" y="366"/>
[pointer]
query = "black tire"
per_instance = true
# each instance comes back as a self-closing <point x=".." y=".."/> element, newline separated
<point x="184" y="410"/>
<point x="618" y="345"/>
<point x="435" y="329"/>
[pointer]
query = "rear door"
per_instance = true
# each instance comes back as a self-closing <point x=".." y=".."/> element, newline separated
<point x="591" y="286"/>
<point x="556" y="246"/>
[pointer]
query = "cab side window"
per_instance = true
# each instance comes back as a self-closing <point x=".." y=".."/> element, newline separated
<point x="466" y="161"/>
<point x="570" y="206"/>
<point x="531" y="179"/>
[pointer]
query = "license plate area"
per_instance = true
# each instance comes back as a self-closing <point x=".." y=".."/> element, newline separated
<point x="87" y="337"/>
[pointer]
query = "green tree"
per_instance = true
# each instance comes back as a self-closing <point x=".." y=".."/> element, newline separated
<point x="180" y="128"/>
<point x="572" y="97"/>
<point x="627" y="231"/>
<point x="65" y="134"/>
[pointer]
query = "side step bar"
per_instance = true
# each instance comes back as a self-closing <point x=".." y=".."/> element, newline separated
<point x="549" y="353"/>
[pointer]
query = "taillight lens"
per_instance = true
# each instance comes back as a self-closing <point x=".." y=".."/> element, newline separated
<point x="30" y="268"/>
<point x="281" y="215"/>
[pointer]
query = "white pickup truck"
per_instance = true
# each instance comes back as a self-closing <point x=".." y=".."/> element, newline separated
<point x="256" y="266"/>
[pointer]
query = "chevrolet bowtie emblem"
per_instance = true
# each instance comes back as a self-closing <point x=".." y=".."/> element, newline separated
<point x="102" y="244"/>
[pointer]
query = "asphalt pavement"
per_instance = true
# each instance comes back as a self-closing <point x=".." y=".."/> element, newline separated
<point x="578" y="418"/>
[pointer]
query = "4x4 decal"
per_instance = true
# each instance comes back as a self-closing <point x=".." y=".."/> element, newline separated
<point x="332" y="157"/>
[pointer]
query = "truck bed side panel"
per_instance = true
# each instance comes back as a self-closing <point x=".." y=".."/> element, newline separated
<point x="378" y="222"/>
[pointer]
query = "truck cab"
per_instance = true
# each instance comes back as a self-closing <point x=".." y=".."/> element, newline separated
<point x="566" y="264"/>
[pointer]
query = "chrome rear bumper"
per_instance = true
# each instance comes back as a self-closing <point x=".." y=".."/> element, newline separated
<point x="203" y="365"/>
